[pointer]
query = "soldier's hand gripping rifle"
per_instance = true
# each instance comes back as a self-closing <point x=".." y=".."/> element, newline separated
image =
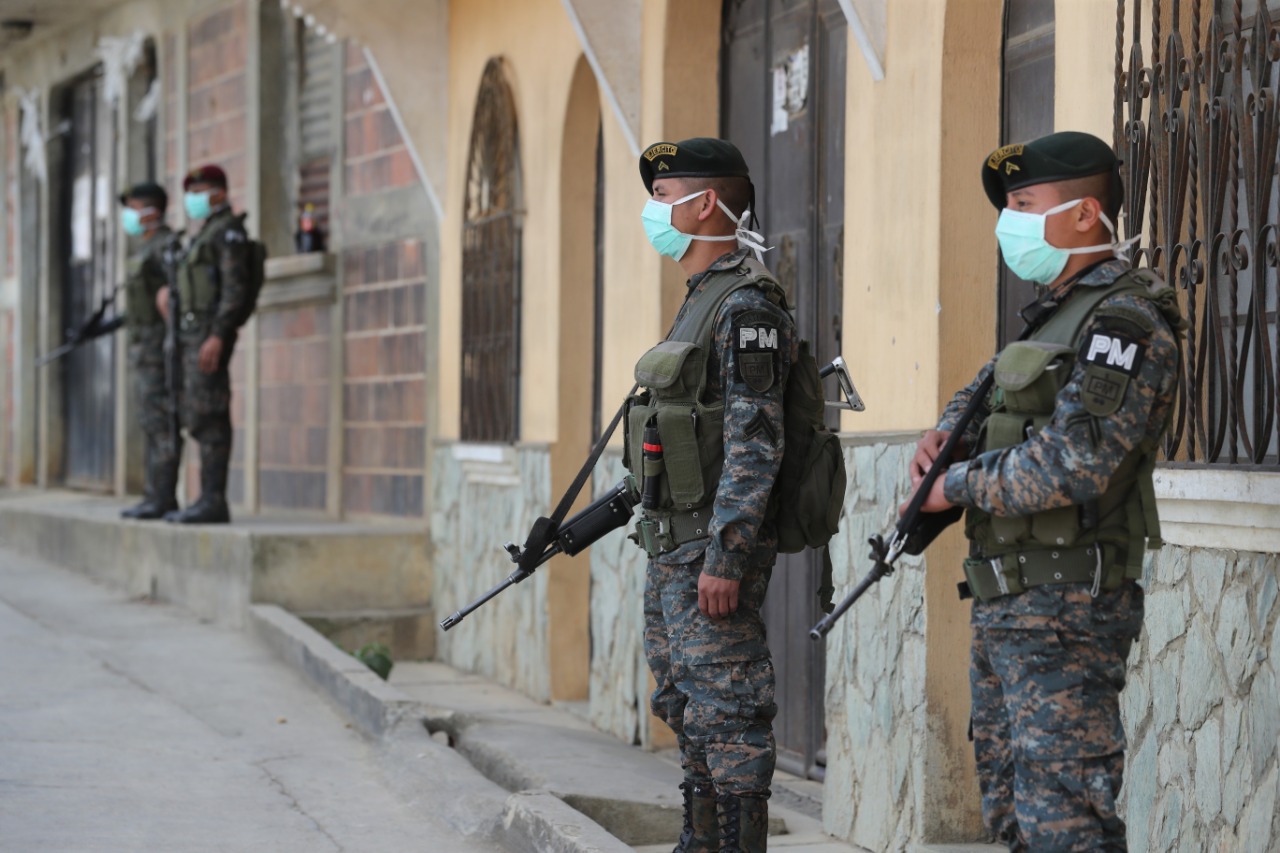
<point x="916" y="529"/>
<point x="89" y="330"/>
<point x="171" y="257"/>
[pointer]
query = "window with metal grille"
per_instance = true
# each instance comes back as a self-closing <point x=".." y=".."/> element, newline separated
<point x="491" y="267"/>
<point x="1197" y="122"/>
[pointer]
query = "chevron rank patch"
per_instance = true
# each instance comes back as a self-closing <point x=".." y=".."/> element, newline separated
<point x="760" y="425"/>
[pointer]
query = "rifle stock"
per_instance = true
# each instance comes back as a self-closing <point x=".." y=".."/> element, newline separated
<point x="91" y="329"/>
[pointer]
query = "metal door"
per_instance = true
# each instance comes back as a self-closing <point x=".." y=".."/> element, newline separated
<point x="86" y="254"/>
<point x="1027" y="113"/>
<point x="783" y="105"/>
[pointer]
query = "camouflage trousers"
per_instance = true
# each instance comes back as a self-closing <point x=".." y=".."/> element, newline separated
<point x="151" y="394"/>
<point x="715" y="684"/>
<point x="206" y="410"/>
<point x="1047" y="732"/>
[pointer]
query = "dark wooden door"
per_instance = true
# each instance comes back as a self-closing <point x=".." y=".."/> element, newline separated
<point x="86" y="235"/>
<point x="783" y="105"/>
<point x="1026" y="113"/>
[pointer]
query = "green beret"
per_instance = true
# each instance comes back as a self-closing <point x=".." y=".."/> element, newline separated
<point x="701" y="157"/>
<point x="146" y="191"/>
<point x="1056" y="157"/>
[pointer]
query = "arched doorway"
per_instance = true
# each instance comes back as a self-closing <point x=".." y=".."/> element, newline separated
<point x="793" y="140"/>
<point x="578" y="409"/>
<point x="491" y="253"/>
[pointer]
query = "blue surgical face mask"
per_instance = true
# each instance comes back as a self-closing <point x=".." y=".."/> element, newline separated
<point x="131" y="221"/>
<point x="197" y="205"/>
<point x="1029" y="255"/>
<point x="665" y="237"/>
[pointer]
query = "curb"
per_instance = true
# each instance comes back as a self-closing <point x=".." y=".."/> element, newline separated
<point x="531" y="821"/>
<point x="375" y="706"/>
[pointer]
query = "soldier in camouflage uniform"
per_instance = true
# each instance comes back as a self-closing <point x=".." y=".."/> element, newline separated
<point x="142" y="217"/>
<point x="214" y="298"/>
<point x="717" y="409"/>
<point x="1059" y="498"/>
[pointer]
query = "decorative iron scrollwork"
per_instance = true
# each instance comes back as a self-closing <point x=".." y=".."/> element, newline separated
<point x="491" y="267"/>
<point x="1198" y="126"/>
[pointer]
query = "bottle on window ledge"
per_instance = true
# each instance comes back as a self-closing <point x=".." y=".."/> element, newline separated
<point x="309" y="236"/>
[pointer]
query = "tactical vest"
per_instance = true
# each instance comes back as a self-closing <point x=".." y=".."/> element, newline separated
<point x="692" y="432"/>
<point x="141" y="284"/>
<point x="1101" y="542"/>
<point x="199" y="286"/>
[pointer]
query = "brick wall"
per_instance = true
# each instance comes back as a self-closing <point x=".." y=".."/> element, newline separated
<point x="217" y="53"/>
<point x="383" y="377"/>
<point x="293" y="408"/>
<point x="384" y="380"/>
<point x="9" y="127"/>
<point x="169" y="167"/>
<point x="376" y="156"/>
<point x="10" y="147"/>
<point x="217" y="50"/>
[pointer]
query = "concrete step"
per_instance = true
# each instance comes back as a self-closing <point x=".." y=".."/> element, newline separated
<point x="523" y="745"/>
<point x="410" y="633"/>
<point x="217" y="571"/>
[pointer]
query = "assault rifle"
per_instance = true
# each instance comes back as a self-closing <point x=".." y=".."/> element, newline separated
<point x="91" y="329"/>
<point x="171" y="257"/>
<point x="549" y="537"/>
<point x="915" y="530"/>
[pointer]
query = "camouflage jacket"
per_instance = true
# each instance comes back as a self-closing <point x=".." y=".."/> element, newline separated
<point x="753" y="429"/>
<point x="221" y="244"/>
<point x="1071" y="460"/>
<point x="145" y="277"/>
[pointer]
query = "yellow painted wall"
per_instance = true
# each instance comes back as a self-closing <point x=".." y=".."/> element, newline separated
<point x="540" y="51"/>
<point x="892" y="174"/>
<point x="1084" y="66"/>
<point x="920" y="303"/>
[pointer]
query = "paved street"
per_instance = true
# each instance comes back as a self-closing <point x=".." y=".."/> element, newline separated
<point x="131" y="726"/>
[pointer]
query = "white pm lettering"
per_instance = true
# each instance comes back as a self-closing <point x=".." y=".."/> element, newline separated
<point x="1118" y="355"/>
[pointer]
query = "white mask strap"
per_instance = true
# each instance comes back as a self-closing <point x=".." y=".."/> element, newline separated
<point x="745" y="237"/>
<point x="1120" y="249"/>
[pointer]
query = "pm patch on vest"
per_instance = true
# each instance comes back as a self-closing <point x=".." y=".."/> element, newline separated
<point x="1110" y="361"/>
<point x="755" y="346"/>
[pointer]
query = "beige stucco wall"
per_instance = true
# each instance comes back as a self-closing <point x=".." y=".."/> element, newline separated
<point x="919" y="315"/>
<point x="1084" y="66"/>
<point x="540" y="51"/>
<point x="892" y="173"/>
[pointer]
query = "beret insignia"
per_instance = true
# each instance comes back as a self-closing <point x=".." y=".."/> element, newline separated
<point x="662" y="149"/>
<point x="1001" y="154"/>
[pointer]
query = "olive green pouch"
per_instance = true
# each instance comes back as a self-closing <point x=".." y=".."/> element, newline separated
<point x="1031" y="373"/>
<point x="676" y="369"/>
<point x="673" y="367"/>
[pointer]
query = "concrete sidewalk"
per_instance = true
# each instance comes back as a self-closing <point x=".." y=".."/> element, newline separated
<point x="127" y="724"/>
<point x="587" y="792"/>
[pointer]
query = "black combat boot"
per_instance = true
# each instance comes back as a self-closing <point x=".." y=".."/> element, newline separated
<point x="211" y="507"/>
<point x="744" y="824"/>
<point x="159" y="499"/>
<point x="699" y="834"/>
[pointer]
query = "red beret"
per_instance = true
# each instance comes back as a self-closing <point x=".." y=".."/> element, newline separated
<point x="205" y="175"/>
